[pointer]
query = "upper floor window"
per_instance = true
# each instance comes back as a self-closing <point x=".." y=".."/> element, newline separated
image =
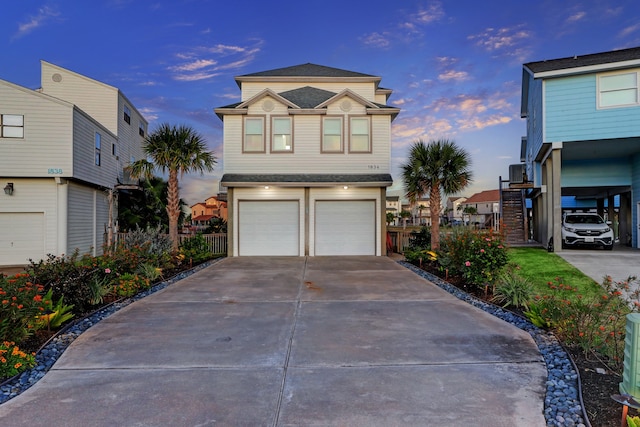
<point x="98" y="141"/>
<point x="618" y="90"/>
<point x="332" y="135"/>
<point x="281" y="139"/>
<point x="359" y="141"/>
<point x="127" y="114"/>
<point x="11" y="126"/>
<point x="141" y="129"/>
<point x="114" y="149"/>
<point x="253" y="135"/>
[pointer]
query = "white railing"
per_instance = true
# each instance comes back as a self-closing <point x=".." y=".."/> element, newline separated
<point x="217" y="242"/>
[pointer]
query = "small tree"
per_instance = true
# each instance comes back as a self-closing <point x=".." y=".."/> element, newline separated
<point x="390" y="218"/>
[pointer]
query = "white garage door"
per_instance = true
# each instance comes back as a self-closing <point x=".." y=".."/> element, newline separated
<point x="21" y="237"/>
<point x="269" y="228"/>
<point x="345" y="227"/>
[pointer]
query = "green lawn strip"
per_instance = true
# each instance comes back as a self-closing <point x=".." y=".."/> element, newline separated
<point x="541" y="267"/>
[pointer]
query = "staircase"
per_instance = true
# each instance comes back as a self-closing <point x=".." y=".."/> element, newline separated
<point x="514" y="218"/>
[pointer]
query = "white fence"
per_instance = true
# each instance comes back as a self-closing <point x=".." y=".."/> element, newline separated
<point x="217" y="242"/>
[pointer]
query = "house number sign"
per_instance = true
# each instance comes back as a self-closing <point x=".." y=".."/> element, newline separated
<point x="54" y="171"/>
<point x="373" y="166"/>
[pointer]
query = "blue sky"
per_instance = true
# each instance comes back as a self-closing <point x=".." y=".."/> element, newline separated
<point x="455" y="66"/>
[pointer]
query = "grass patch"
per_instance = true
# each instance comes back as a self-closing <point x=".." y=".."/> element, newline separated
<point x="540" y="267"/>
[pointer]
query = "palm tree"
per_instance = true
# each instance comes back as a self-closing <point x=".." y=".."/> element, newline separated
<point x="435" y="168"/>
<point x="176" y="150"/>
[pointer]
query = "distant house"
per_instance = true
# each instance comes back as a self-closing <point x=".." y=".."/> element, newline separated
<point x="485" y="207"/>
<point x="393" y="206"/>
<point x="454" y="210"/>
<point x="203" y="212"/>
<point x="63" y="149"/>
<point x="583" y="138"/>
<point x="307" y="160"/>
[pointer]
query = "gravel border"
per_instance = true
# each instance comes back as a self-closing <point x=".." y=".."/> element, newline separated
<point x="53" y="349"/>
<point x="563" y="400"/>
<point x="562" y="403"/>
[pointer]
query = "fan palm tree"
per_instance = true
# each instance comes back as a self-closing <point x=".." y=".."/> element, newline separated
<point x="176" y="150"/>
<point x="435" y="168"/>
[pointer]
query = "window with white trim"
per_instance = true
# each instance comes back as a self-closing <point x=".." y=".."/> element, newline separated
<point x="281" y="134"/>
<point x="11" y="126"/>
<point x="253" y="135"/>
<point x="618" y="90"/>
<point x="359" y="141"/>
<point x="332" y="135"/>
<point x="98" y="141"/>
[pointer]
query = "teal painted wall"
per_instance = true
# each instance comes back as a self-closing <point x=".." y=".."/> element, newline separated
<point x="571" y="112"/>
<point x="593" y="173"/>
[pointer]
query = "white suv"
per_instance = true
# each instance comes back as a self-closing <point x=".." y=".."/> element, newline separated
<point x="586" y="229"/>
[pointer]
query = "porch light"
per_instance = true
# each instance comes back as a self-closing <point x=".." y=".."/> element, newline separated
<point x="266" y="187"/>
<point x="8" y="189"/>
<point x="346" y="187"/>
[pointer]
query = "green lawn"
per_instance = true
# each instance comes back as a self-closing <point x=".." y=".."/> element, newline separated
<point x="541" y="267"/>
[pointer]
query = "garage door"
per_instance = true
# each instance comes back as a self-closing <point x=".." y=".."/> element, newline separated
<point x="345" y="227"/>
<point x="269" y="228"/>
<point x="21" y="237"/>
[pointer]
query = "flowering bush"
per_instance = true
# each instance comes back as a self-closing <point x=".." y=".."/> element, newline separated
<point x="130" y="284"/>
<point x="595" y="323"/>
<point x="13" y="360"/>
<point x="478" y="255"/>
<point x="20" y="302"/>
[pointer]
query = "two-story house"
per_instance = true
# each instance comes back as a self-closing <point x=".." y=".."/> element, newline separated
<point x="583" y="137"/>
<point x="481" y="208"/>
<point x="63" y="149"/>
<point x="307" y="155"/>
<point x="203" y="212"/>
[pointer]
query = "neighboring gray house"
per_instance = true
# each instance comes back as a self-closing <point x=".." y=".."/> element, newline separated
<point x="583" y="138"/>
<point x="307" y="160"/>
<point x="62" y="148"/>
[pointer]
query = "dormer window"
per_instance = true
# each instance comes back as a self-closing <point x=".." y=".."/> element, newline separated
<point x="359" y="141"/>
<point x="332" y="135"/>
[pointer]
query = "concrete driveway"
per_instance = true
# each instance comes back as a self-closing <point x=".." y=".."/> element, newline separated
<point x="620" y="263"/>
<point x="323" y="341"/>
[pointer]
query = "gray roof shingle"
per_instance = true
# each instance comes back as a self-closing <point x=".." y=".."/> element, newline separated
<point x="235" y="178"/>
<point x="307" y="70"/>
<point x="307" y="97"/>
<point x="584" y="60"/>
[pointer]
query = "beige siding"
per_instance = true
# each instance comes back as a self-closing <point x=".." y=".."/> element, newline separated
<point x="87" y="218"/>
<point x="84" y="131"/>
<point x="307" y="157"/>
<point x="366" y="90"/>
<point x="45" y="150"/>
<point x="129" y="139"/>
<point x="97" y="99"/>
<point x="33" y="196"/>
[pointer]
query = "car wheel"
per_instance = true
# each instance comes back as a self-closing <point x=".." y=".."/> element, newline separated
<point x="564" y="245"/>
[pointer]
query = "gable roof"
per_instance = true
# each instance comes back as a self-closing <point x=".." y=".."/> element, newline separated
<point x="307" y="97"/>
<point x="483" y="197"/>
<point x="622" y="58"/>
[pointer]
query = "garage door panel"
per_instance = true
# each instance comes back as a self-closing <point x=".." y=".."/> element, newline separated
<point x="345" y="227"/>
<point x="21" y="237"/>
<point x="268" y="228"/>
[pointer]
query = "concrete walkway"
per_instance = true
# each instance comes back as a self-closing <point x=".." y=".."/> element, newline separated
<point x="356" y="341"/>
<point x="620" y="263"/>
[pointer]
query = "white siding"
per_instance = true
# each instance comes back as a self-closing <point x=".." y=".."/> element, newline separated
<point x="97" y="99"/>
<point x="31" y="196"/>
<point x="84" y="131"/>
<point x="46" y="147"/>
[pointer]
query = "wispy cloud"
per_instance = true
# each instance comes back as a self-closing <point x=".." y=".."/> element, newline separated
<point x="207" y="62"/>
<point x="578" y="16"/>
<point x="627" y="31"/>
<point x="45" y="14"/>
<point x="432" y="13"/>
<point x="500" y="39"/>
<point x="453" y="75"/>
<point x="378" y="40"/>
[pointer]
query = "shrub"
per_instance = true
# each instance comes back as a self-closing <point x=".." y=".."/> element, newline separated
<point x="130" y="284"/>
<point x="513" y="290"/>
<point x="56" y="315"/>
<point x="150" y="271"/>
<point x="13" y="360"/>
<point x="196" y="249"/>
<point x="153" y="241"/>
<point x="20" y="302"/>
<point x="478" y="255"/>
<point x="420" y="239"/>
<point x="595" y="323"/>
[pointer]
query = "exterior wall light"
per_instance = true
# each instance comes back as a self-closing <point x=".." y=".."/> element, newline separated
<point x="8" y="189"/>
<point x="266" y="187"/>
<point x="346" y="187"/>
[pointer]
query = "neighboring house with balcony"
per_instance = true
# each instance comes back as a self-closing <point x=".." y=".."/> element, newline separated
<point x="63" y="150"/>
<point x="393" y="207"/>
<point x="307" y="154"/>
<point x="453" y="209"/>
<point x="203" y="212"/>
<point x="583" y="138"/>
<point x="482" y="208"/>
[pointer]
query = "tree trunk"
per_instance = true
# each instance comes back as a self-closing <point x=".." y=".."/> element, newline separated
<point x="173" y="207"/>
<point x="434" y="213"/>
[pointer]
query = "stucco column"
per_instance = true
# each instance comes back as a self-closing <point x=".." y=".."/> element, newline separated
<point x="557" y="198"/>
